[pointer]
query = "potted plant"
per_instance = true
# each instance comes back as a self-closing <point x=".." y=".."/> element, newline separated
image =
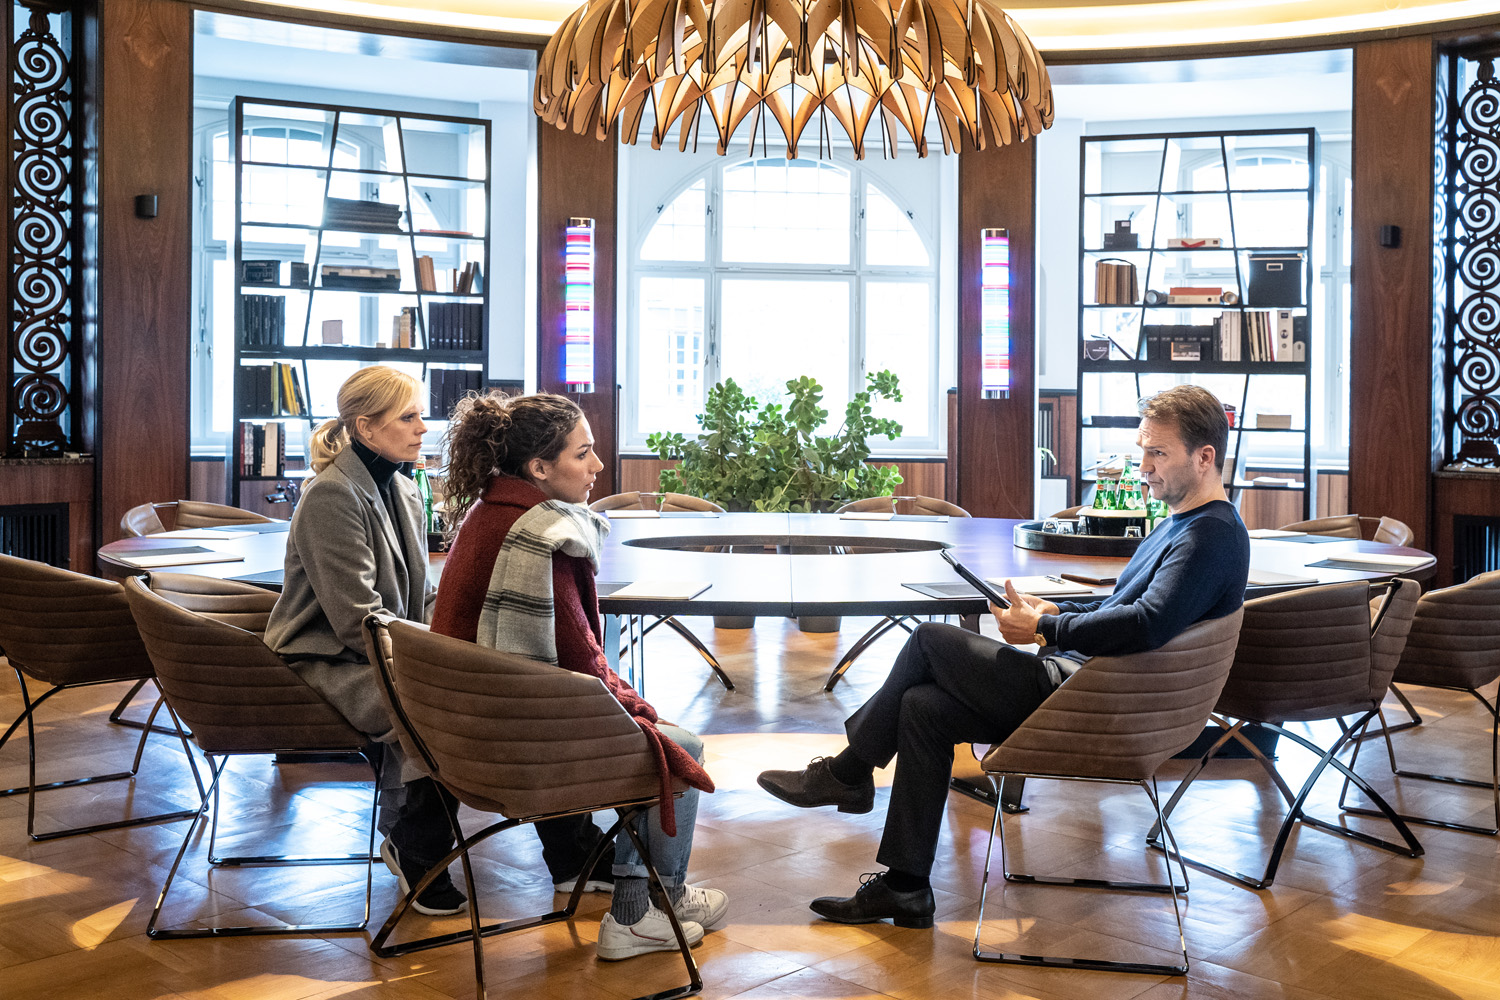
<point x="749" y="457"/>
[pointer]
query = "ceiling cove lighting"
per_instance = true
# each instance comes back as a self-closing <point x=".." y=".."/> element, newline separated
<point x="578" y="306"/>
<point x="721" y="67"/>
<point x="994" y="314"/>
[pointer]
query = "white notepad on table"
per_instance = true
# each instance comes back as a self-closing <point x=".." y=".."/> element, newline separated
<point x="866" y="515"/>
<point x="663" y="590"/>
<point x="1274" y="533"/>
<point x="1379" y="559"/>
<point x="1040" y="586"/>
<point x="629" y="512"/>
<point x="1265" y="578"/>
<point x="147" y="560"/>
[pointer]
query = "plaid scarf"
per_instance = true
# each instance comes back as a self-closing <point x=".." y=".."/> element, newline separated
<point x="518" y="613"/>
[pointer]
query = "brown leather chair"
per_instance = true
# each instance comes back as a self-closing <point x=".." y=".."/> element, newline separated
<point x="239" y="697"/>
<point x="929" y="506"/>
<point x="1454" y="644"/>
<point x="519" y="738"/>
<point x="1307" y="656"/>
<point x="1118" y="719"/>
<point x="68" y="630"/>
<point x="917" y="505"/>
<point x="1376" y="529"/>
<point x="146" y="518"/>
<point x="666" y="503"/>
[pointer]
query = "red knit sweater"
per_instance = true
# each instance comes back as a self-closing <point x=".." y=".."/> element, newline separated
<point x="578" y="634"/>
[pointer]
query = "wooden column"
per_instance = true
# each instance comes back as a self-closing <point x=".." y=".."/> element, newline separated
<point x="996" y="437"/>
<point x="1390" y="410"/>
<point x="144" y="114"/>
<point x="577" y="177"/>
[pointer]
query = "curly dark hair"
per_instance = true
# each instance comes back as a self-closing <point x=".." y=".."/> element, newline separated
<point x="495" y="434"/>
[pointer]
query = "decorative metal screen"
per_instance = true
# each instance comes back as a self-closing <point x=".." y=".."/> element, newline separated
<point x="1468" y="231"/>
<point x="43" y="367"/>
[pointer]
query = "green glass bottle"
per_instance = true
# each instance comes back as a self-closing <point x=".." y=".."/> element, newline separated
<point x="1128" y="497"/>
<point x="1104" y="493"/>
<point x="424" y="489"/>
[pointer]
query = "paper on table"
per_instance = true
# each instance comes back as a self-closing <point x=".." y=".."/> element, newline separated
<point x="866" y="515"/>
<point x="213" y="534"/>
<point x="1273" y="533"/>
<point x="1265" y="578"/>
<point x="1040" y="586"/>
<point x="148" y="561"/>
<point x="628" y="512"/>
<point x="1378" y="559"/>
<point x="663" y="590"/>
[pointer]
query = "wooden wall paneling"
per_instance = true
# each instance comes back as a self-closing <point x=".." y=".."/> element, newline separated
<point x="1333" y="494"/>
<point x="996" y="439"/>
<point x="1390" y="409"/>
<point x="576" y="176"/>
<point x="638" y="474"/>
<point x="144" y="71"/>
<point x="950" y="472"/>
<point x="919" y="478"/>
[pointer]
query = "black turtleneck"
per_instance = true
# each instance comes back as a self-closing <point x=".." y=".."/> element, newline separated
<point x="381" y="469"/>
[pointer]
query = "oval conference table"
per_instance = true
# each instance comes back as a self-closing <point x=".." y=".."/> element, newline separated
<point x="802" y="564"/>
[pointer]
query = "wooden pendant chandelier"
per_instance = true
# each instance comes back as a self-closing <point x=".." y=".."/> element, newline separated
<point x="799" y="62"/>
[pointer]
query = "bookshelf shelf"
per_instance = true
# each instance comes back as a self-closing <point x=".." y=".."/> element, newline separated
<point x="1203" y="189"/>
<point x="372" y="216"/>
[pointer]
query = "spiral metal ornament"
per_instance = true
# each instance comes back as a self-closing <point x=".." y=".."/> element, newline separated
<point x="732" y="65"/>
<point x="43" y="356"/>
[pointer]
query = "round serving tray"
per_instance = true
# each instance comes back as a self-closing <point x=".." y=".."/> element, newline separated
<point x="1029" y="535"/>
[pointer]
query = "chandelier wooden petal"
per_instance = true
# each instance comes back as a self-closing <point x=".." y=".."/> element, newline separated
<point x="724" y="65"/>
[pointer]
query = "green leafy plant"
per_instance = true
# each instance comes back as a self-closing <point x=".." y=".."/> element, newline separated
<point x="771" y="458"/>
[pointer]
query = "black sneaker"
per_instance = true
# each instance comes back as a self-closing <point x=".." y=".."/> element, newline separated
<point x="440" y="899"/>
<point x="601" y="879"/>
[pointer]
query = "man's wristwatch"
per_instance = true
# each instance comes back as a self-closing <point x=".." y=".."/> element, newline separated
<point x="1039" y="639"/>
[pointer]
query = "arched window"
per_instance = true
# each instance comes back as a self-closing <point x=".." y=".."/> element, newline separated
<point x="767" y="269"/>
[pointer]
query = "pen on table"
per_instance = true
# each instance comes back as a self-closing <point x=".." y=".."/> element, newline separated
<point x="1056" y="579"/>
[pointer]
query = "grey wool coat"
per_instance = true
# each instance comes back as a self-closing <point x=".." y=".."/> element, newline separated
<point x="344" y="559"/>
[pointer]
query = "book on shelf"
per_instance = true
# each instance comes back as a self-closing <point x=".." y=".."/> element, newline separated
<point x="367" y="279"/>
<point x="1186" y="295"/>
<point x="455" y="326"/>
<point x="1179" y="342"/>
<point x="1194" y="242"/>
<point x="446" y="386"/>
<point x="1115" y="283"/>
<point x="444" y="232"/>
<point x="351" y="213"/>
<point x="273" y="390"/>
<point x="426" y="274"/>
<point x="403" y="328"/>
<point x="262" y="320"/>
<point x="262" y="448"/>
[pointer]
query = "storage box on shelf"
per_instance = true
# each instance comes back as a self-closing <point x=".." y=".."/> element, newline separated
<point x="1195" y="258"/>
<point x="360" y="237"/>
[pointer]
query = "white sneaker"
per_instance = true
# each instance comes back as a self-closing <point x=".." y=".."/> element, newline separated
<point x="702" y="906"/>
<point x="652" y="933"/>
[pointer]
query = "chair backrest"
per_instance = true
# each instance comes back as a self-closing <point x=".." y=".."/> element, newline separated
<point x="1342" y="526"/>
<point x="141" y="520"/>
<point x="235" y="693"/>
<point x="1455" y="636"/>
<point x="63" y="627"/>
<point x="231" y="602"/>
<point x="1317" y="653"/>
<point x="904" y="505"/>
<point x="199" y="514"/>
<point x="625" y="501"/>
<point x="673" y="502"/>
<point x="1120" y="717"/>
<point x="1069" y="511"/>
<point x="510" y="735"/>
<point x="1389" y="530"/>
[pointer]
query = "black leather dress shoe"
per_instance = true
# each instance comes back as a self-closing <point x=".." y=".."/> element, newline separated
<point x="815" y="785"/>
<point x="876" y="900"/>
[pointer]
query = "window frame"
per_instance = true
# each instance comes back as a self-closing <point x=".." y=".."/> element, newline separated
<point x="713" y="270"/>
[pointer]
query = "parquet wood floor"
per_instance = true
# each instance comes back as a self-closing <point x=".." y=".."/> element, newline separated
<point x="1344" y="920"/>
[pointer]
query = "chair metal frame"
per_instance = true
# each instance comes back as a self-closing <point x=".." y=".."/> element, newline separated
<point x="477" y="930"/>
<point x="28" y="712"/>
<point x="1170" y="887"/>
<point x="1493" y="784"/>
<point x="217" y="763"/>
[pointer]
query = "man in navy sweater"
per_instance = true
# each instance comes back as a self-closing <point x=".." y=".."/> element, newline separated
<point x="949" y="686"/>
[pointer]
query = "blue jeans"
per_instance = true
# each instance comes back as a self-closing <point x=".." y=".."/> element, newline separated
<point x="668" y="854"/>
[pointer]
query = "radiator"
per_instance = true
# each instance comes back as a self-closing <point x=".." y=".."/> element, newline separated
<point x="36" y="531"/>
<point x="1476" y="545"/>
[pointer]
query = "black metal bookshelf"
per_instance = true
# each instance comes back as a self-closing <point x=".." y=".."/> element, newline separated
<point x="1125" y="161"/>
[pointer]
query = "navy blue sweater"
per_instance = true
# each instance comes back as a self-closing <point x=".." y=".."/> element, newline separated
<point x="1190" y="569"/>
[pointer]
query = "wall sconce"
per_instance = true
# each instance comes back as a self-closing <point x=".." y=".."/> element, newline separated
<point x="578" y="306"/>
<point x="994" y="314"/>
